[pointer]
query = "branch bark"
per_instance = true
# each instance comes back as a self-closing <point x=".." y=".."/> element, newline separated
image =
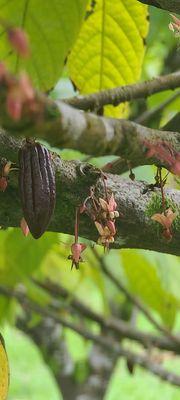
<point x="169" y="5"/>
<point x="136" y="203"/>
<point x="65" y="127"/>
<point x="121" y="94"/>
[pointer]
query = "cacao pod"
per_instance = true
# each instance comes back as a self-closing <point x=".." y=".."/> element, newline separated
<point x="37" y="186"/>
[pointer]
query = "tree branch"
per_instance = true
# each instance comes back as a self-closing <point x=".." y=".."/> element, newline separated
<point x="169" y="5"/>
<point x="119" y="327"/>
<point x="134" y="300"/>
<point x="121" y="94"/>
<point x="63" y="126"/>
<point x="136" y="203"/>
<point x="109" y="344"/>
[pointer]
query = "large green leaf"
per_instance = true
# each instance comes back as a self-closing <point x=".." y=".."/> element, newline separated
<point x="20" y="256"/>
<point x="52" y="27"/>
<point x="145" y="281"/>
<point x="110" y="47"/>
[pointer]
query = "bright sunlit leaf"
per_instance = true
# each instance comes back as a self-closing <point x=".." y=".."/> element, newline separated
<point x="109" y="50"/>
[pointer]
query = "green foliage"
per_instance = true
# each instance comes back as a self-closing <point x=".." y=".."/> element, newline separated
<point x="30" y="383"/>
<point x="144" y="280"/>
<point x="20" y="256"/>
<point x="52" y="28"/>
<point x="109" y="50"/>
<point x="141" y="385"/>
<point x="159" y="43"/>
<point x="30" y="378"/>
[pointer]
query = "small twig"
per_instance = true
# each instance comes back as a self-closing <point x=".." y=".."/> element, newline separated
<point x="162" y="190"/>
<point x="133" y="299"/>
<point x="121" y="94"/>
<point x="147" y="115"/>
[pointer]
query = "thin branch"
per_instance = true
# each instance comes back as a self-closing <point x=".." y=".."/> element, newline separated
<point x="153" y="112"/>
<point x="119" y="327"/>
<point x="134" y="299"/>
<point x="108" y="344"/>
<point x="173" y="124"/>
<point x="125" y="93"/>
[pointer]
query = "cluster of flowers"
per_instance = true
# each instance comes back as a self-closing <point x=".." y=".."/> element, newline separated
<point x="175" y="25"/>
<point x="163" y="152"/>
<point x="165" y="219"/>
<point x="103" y="212"/>
<point x="105" y="221"/>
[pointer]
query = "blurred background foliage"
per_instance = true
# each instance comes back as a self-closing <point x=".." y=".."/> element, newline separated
<point x="98" y="60"/>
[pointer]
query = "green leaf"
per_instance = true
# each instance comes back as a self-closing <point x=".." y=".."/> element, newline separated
<point x="20" y="256"/>
<point x="144" y="281"/>
<point x="109" y="50"/>
<point x="52" y="27"/>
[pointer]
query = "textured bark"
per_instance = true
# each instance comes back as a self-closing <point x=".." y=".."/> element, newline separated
<point x="121" y="94"/>
<point x="135" y="229"/>
<point x="65" y="127"/>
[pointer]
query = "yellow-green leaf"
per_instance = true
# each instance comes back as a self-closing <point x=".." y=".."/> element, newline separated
<point x="109" y="50"/>
<point x="4" y="371"/>
<point x="144" y="281"/>
<point x="52" y="27"/>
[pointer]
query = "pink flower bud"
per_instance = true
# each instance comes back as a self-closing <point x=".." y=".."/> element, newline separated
<point x="3" y="184"/>
<point x="14" y="104"/>
<point x="19" y="41"/>
<point x="6" y="168"/>
<point x="77" y="249"/>
<point x="25" y="87"/>
<point x="24" y="227"/>
<point x="3" y="71"/>
<point x="112" y="228"/>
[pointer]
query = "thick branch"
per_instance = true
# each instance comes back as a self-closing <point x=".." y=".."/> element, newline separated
<point x="135" y="229"/>
<point x="169" y="5"/>
<point x="126" y="93"/>
<point x="63" y="126"/>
